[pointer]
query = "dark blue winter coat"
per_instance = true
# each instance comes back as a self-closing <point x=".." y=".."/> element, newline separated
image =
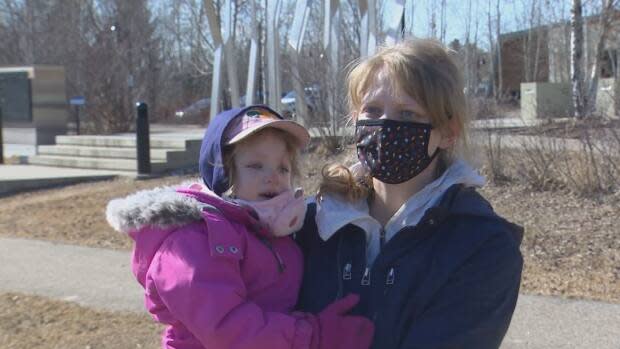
<point x="451" y="281"/>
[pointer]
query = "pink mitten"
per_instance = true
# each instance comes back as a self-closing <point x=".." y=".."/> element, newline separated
<point x="338" y="330"/>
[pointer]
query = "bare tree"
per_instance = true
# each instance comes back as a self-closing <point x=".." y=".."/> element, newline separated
<point x="532" y="44"/>
<point x="606" y="16"/>
<point x="495" y="48"/>
<point x="432" y="19"/>
<point x="500" y="77"/>
<point x="577" y="58"/>
<point x="443" y="23"/>
<point x="584" y="100"/>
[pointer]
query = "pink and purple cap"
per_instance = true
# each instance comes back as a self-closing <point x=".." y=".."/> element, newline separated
<point x="259" y="118"/>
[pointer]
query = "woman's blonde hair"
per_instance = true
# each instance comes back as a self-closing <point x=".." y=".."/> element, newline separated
<point x="230" y="151"/>
<point x="424" y="70"/>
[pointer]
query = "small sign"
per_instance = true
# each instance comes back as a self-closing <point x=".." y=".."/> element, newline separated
<point x="77" y="100"/>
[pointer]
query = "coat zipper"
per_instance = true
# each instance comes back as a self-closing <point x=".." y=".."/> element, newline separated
<point x="340" y="270"/>
<point x="389" y="281"/>
<point x="276" y="255"/>
<point x="381" y="238"/>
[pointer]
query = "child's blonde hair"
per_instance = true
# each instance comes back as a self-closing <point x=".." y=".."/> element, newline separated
<point x="230" y="151"/>
<point x="423" y="69"/>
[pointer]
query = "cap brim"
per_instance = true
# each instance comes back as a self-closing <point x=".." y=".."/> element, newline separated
<point x="296" y="130"/>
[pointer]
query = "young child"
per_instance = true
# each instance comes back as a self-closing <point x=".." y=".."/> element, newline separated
<point x="216" y="262"/>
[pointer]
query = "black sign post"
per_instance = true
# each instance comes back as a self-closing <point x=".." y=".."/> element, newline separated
<point x="142" y="140"/>
<point x="77" y="120"/>
<point x="77" y="101"/>
<point x="1" y="139"/>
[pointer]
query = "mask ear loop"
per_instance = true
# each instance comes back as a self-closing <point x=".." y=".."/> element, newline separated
<point x="428" y="142"/>
<point x="437" y="150"/>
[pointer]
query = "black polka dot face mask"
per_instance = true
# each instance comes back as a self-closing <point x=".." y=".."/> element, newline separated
<point x="393" y="151"/>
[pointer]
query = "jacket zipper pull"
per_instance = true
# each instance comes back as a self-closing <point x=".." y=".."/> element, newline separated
<point x="346" y="273"/>
<point x="276" y="255"/>
<point x="389" y="281"/>
<point x="281" y="265"/>
<point x="366" y="277"/>
<point x="390" y="277"/>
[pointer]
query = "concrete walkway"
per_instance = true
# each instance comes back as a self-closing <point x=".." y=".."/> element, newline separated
<point x="92" y="277"/>
<point x="101" y="279"/>
<point x="15" y="178"/>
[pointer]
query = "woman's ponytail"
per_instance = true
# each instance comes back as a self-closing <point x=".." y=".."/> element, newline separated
<point x="338" y="179"/>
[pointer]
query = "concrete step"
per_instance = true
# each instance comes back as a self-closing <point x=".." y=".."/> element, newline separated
<point x="127" y="142"/>
<point x="157" y="166"/>
<point x="106" y="152"/>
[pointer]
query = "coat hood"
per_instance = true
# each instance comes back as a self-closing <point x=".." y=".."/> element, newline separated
<point x="333" y="213"/>
<point x="150" y="216"/>
<point x="170" y="207"/>
<point x="160" y="207"/>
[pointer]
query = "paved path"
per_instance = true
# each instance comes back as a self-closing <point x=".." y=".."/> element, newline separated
<point x="101" y="278"/>
<point x="93" y="277"/>
<point x="16" y="178"/>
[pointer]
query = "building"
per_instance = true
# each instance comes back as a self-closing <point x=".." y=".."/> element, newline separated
<point x="551" y="46"/>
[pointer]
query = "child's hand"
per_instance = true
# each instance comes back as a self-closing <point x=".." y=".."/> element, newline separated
<point x="291" y="218"/>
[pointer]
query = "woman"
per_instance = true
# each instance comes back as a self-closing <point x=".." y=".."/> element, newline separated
<point x="405" y="228"/>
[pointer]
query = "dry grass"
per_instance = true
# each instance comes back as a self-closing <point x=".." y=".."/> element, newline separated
<point x="37" y="323"/>
<point x="584" y="159"/>
<point x="571" y="245"/>
<point x="73" y="214"/>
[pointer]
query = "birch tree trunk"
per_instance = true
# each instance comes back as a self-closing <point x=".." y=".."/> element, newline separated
<point x="604" y="24"/>
<point x="540" y="32"/>
<point x="443" y="21"/>
<point x="467" y="65"/>
<point x="576" y="65"/>
<point x="500" y="83"/>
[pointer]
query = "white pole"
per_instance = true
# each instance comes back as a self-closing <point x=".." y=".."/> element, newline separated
<point x="295" y="41"/>
<point x="273" y="71"/>
<point x="372" y="28"/>
<point x="217" y="58"/>
<point x="215" y="81"/>
<point x="251" y="81"/>
<point x="363" y="5"/>
<point x="394" y="10"/>
<point x="229" y="52"/>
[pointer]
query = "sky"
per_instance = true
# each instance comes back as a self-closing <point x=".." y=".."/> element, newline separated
<point x="514" y="16"/>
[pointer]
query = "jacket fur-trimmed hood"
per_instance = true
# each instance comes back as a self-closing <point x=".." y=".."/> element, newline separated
<point x="152" y="216"/>
<point x="162" y="207"/>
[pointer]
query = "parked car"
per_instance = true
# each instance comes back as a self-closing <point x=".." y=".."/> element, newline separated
<point x="195" y="112"/>
<point x="289" y="99"/>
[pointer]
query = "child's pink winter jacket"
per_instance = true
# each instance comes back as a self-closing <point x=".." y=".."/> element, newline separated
<point x="208" y="272"/>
